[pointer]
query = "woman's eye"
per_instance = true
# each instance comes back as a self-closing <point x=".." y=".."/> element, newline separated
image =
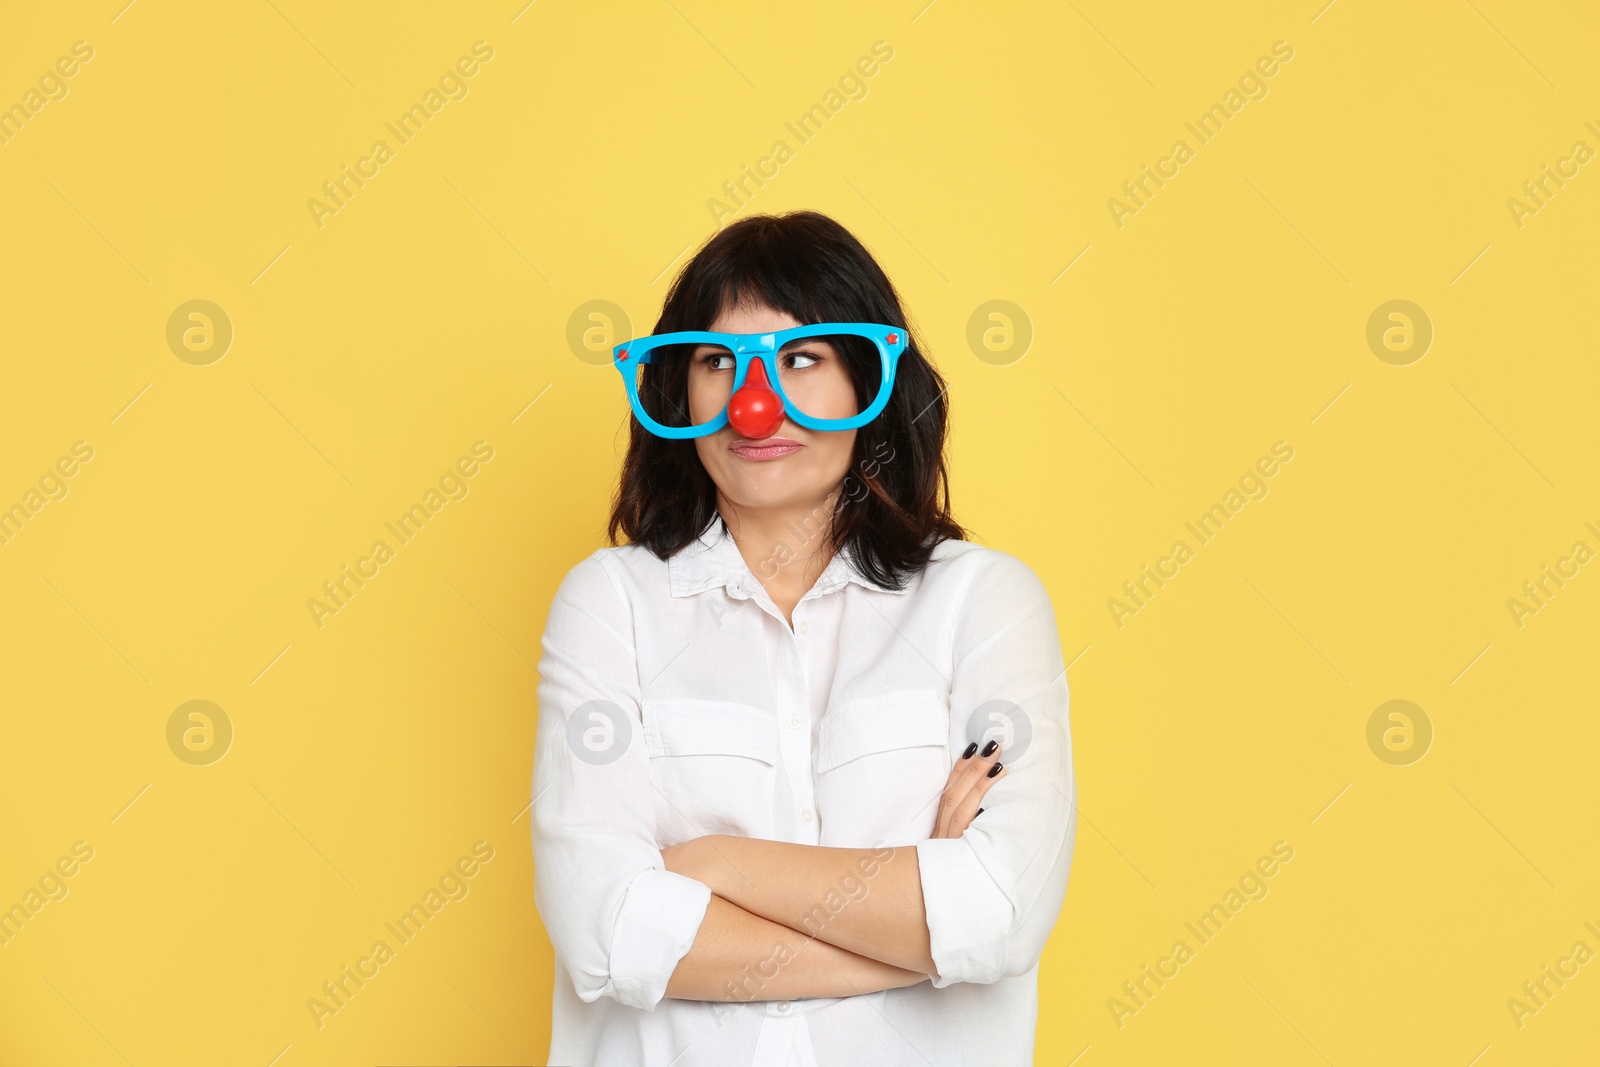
<point x="807" y="356"/>
<point x="710" y="360"/>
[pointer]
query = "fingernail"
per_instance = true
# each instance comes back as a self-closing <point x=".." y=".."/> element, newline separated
<point x="994" y="770"/>
<point x="988" y="750"/>
<point x="970" y="750"/>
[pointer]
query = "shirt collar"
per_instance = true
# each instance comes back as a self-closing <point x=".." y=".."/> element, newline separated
<point x="713" y="559"/>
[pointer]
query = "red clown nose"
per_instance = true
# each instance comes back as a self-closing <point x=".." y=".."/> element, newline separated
<point x="755" y="411"/>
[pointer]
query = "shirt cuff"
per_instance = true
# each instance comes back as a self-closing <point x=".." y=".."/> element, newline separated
<point x="968" y="916"/>
<point x="660" y="916"/>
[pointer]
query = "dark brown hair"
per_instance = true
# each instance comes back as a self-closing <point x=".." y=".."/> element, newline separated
<point x="806" y="264"/>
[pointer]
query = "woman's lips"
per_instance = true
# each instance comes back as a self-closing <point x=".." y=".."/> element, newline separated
<point x="766" y="448"/>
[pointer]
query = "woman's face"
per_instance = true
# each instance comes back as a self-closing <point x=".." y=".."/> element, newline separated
<point x="790" y="477"/>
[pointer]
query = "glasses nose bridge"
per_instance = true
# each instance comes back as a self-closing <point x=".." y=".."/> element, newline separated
<point x="754" y="342"/>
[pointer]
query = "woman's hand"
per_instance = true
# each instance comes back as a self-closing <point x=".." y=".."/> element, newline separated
<point x="969" y="780"/>
<point x="700" y="858"/>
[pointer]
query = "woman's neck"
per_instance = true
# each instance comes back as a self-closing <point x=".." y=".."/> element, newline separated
<point x="787" y="550"/>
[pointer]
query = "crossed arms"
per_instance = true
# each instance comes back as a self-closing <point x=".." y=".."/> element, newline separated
<point x="710" y="919"/>
<point x="778" y="926"/>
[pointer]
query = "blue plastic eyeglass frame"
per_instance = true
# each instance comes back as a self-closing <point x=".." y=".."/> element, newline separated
<point x="891" y="341"/>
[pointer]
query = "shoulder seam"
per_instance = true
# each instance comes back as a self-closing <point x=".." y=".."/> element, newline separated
<point x="627" y="636"/>
<point x="601" y="554"/>
<point x="948" y="641"/>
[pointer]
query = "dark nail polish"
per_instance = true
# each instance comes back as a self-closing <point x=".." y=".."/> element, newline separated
<point x="995" y="769"/>
<point x="970" y="750"/>
<point x="988" y="750"/>
<point x="977" y="813"/>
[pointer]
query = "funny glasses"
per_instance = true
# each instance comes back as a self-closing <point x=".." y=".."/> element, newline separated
<point x="753" y="381"/>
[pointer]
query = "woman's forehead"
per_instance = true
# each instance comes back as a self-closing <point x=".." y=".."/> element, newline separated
<point x="752" y="317"/>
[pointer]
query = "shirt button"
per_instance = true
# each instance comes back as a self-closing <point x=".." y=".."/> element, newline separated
<point x="806" y="814"/>
<point x="802" y="627"/>
<point x="783" y="1005"/>
<point x="794" y="721"/>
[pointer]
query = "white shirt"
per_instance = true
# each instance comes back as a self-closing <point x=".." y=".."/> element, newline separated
<point x="675" y="701"/>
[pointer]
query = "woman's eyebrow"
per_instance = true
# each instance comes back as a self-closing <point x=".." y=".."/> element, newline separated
<point x="801" y="342"/>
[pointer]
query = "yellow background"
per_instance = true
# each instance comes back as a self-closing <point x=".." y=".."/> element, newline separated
<point x="368" y="354"/>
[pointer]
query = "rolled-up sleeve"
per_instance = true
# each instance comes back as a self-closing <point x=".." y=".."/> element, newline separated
<point x="993" y="894"/>
<point x="619" y="921"/>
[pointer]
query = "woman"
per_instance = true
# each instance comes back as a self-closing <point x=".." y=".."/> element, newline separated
<point x="768" y="724"/>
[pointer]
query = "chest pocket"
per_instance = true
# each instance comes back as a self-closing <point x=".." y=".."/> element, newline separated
<point x="715" y="764"/>
<point x="880" y="765"/>
<point x="905" y="718"/>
